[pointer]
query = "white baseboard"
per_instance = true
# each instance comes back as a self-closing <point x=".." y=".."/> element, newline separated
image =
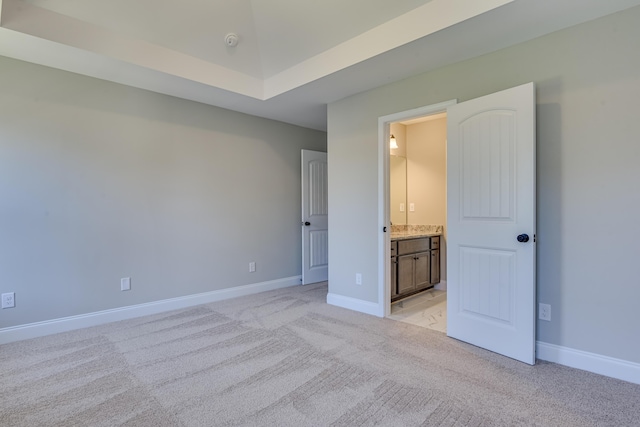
<point x="355" y="304"/>
<point x="54" y="326"/>
<point x="596" y="363"/>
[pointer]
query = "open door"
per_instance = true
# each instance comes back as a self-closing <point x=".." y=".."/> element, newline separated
<point x="315" y="230"/>
<point x="491" y="251"/>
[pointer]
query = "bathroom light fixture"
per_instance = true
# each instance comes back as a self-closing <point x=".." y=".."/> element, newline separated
<point x="393" y="144"/>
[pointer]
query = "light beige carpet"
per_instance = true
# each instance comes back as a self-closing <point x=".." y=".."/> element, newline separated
<point x="286" y="358"/>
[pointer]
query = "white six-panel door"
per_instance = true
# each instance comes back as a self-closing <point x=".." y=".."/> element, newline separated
<point x="490" y="202"/>
<point x="315" y="233"/>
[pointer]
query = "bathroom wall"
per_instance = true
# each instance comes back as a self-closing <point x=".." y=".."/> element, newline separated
<point x="426" y="171"/>
<point x="398" y="175"/>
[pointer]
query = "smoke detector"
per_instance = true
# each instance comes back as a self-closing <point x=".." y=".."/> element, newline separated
<point x="231" y="39"/>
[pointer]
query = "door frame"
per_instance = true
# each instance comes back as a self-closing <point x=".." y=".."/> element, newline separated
<point x="384" y="238"/>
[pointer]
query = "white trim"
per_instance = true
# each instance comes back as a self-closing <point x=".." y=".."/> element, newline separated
<point x="384" y="245"/>
<point x="596" y="363"/>
<point x="355" y="304"/>
<point x="414" y="113"/>
<point x="384" y="215"/>
<point x="54" y="326"/>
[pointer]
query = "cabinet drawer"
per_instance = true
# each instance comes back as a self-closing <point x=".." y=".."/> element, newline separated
<point x="435" y="242"/>
<point x="413" y="245"/>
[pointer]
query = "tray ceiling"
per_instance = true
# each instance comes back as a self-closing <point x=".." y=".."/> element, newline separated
<point x="293" y="57"/>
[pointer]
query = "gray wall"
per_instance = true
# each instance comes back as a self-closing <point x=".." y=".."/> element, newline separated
<point x="100" y="181"/>
<point x="588" y="89"/>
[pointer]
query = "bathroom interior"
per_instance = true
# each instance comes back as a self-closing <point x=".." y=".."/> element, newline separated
<point x="417" y="183"/>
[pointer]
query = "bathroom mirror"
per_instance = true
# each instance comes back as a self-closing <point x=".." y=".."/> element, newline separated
<point x="398" y="189"/>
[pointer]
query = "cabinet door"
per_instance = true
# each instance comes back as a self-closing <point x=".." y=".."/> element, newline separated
<point x="422" y="270"/>
<point x="394" y="276"/>
<point x="435" y="267"/>
<point x="405" y="274"/>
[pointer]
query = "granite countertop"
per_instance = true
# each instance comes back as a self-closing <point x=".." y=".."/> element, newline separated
<point x="404" y="235"/>
<point x="403" y="232"/>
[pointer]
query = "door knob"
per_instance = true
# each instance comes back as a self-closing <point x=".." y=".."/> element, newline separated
<point x="307" y="223"/>
<point x="523" y="238"/>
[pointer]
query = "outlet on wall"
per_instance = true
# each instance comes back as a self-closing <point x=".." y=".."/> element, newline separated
<point x="9" y="300"/>
<point x="544" y="312"/>
<point x="252" y="267"/>
<point x="125" y="284"/>
<point x="358" y="279"/>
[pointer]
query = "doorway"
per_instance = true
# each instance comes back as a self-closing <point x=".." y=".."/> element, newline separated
<point x="417" y="191"/>
<point x="416" y="209"/>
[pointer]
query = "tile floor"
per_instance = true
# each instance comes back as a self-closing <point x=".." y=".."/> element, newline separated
<point x="428" y="309"/>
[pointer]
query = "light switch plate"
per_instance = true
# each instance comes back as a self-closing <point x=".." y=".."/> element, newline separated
<point x="412" y="207"/>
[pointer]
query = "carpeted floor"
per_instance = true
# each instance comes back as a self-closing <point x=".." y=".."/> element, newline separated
<point x="286" y="358"/>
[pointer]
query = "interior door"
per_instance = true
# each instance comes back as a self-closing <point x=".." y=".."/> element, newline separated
<point x="491" y="222"/>
<point x="315" y="230"/>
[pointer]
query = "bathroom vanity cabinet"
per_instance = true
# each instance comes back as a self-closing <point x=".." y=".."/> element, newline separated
<point x="415" y="265"/>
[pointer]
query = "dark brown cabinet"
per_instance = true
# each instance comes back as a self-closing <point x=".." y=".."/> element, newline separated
<point x="435" y="267"/>
<point x="394" y="269"/>
<point x="415" y="265"/>
<point x="413" y="272"/>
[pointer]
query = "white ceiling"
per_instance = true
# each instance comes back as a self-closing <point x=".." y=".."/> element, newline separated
<point x="294" y="56"/>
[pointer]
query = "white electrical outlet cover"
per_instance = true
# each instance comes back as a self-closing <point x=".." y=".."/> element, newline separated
<point x="9" y="300"/>
<point x="544" y="312"/>
<point x="125" y="284"/>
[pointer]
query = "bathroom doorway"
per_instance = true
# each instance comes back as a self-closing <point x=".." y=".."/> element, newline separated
<point x="417" y="208"/>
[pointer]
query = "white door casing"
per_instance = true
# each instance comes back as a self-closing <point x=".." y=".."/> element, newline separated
<point x="491" y="286"/>
<point x="315" y="213"/>
<point x="384" y="123"/>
